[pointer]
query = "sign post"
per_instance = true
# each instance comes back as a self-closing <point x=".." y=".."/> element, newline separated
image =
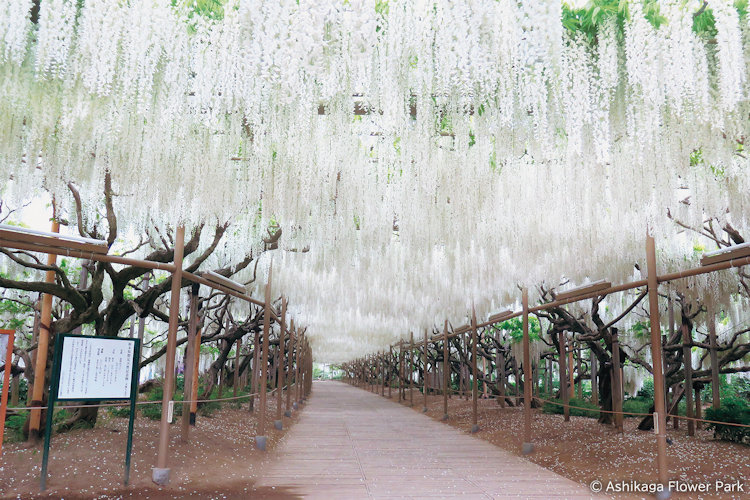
<point x="6" y="357"/>
<point x="88" y="368"/>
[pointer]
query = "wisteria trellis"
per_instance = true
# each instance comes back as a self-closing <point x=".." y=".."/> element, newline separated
<point x="498" y="148"/>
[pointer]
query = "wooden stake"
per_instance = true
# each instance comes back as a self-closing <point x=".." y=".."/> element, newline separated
<point x="160" y="473"/>
<point x="40" y="368"/>
<point x="264" y="366"/>
<point x="528" y="447"/>
<point x="280" y="374"/>
<point x="660" y="420"/>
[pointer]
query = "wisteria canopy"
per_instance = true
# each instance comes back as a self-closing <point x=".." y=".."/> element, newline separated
<point x="431" y="154"/>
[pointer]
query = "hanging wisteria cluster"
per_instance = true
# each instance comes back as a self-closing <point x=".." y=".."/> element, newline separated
<point x="430" y="154"/>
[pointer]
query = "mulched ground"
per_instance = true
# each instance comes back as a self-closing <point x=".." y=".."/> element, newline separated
<point x="584" y="450"/>
<point x="220" y="461"/>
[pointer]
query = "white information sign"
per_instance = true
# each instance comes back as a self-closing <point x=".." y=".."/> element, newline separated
<point x="3" y="348"/>
<point x="96" y="368"/>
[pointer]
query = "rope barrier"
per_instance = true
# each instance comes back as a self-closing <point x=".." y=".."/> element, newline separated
<point x="494" y="396"/>
<point x="708" y="421"/>
<point x="105" y="405"/>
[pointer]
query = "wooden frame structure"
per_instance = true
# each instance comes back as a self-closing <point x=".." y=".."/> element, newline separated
<point x="732" y="257"/>
<point x="53" y="244"/>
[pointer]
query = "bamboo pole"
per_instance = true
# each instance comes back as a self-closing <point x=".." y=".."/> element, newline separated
<point x="160" y="473"/>
<point x="527" y="447"/>
<point x="660" y="414"/>
<point x="45" y="324"/>
<point x="260" y="439"/>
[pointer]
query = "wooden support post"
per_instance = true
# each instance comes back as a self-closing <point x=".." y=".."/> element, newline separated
<point x="160" y="473"/>
<point x="45" y="323"/>
<point x="280" y="375"/>
<point x="464" y="371"/>
<point x="687" y="363"/>
<point x="424" y="372"/>
<point x="580" y="373"/>
<point x="698" y="407"/>
<point x="389" y="359"/>
<point x="411" y="369"/>
<point x="500" y="362"/>
<point x="670" y="312"/>
<point x="400" y="366"/>
<point x="187" y="386"/>
<point x="594" y="378"/>
<point x="660" y="421"/>
<point x="446" y="371"/>
<point x="571" y="366"/>
<point x="298" y="356"/>
<point x="255" y="373"/>
<point x="14" y="389"/>
<point x="196" y="368"/>
<point x="714" y="357"/>
<point x="289" y="364"/>
<point x="562" y="339"/>
<point x="474" y="373"/>
<point x="528" y="446"/>
<point x="236" y="380"/>
<point x="260" y="439"/>
<point x="617" y="395"/>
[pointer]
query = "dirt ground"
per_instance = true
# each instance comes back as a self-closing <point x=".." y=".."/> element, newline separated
<point x="220" y="461"/>
<point x="584" y="450"/>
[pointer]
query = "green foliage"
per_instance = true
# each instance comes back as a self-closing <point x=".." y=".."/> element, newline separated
<point x="647" y="391"/>
<point x="733" y="409"/>
<point x="638" y="405"/>
<point x="120" y="411"/>
<point x="557" y="408"/>
<point x="587" y="19"/>
<point x="14" y="427"/>
<point x="514" y="327"/>
<point x="208" y="409"/>
<point x="641" y="329"/>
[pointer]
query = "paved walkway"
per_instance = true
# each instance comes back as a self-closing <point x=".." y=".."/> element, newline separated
<point x="352" y="444"/>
